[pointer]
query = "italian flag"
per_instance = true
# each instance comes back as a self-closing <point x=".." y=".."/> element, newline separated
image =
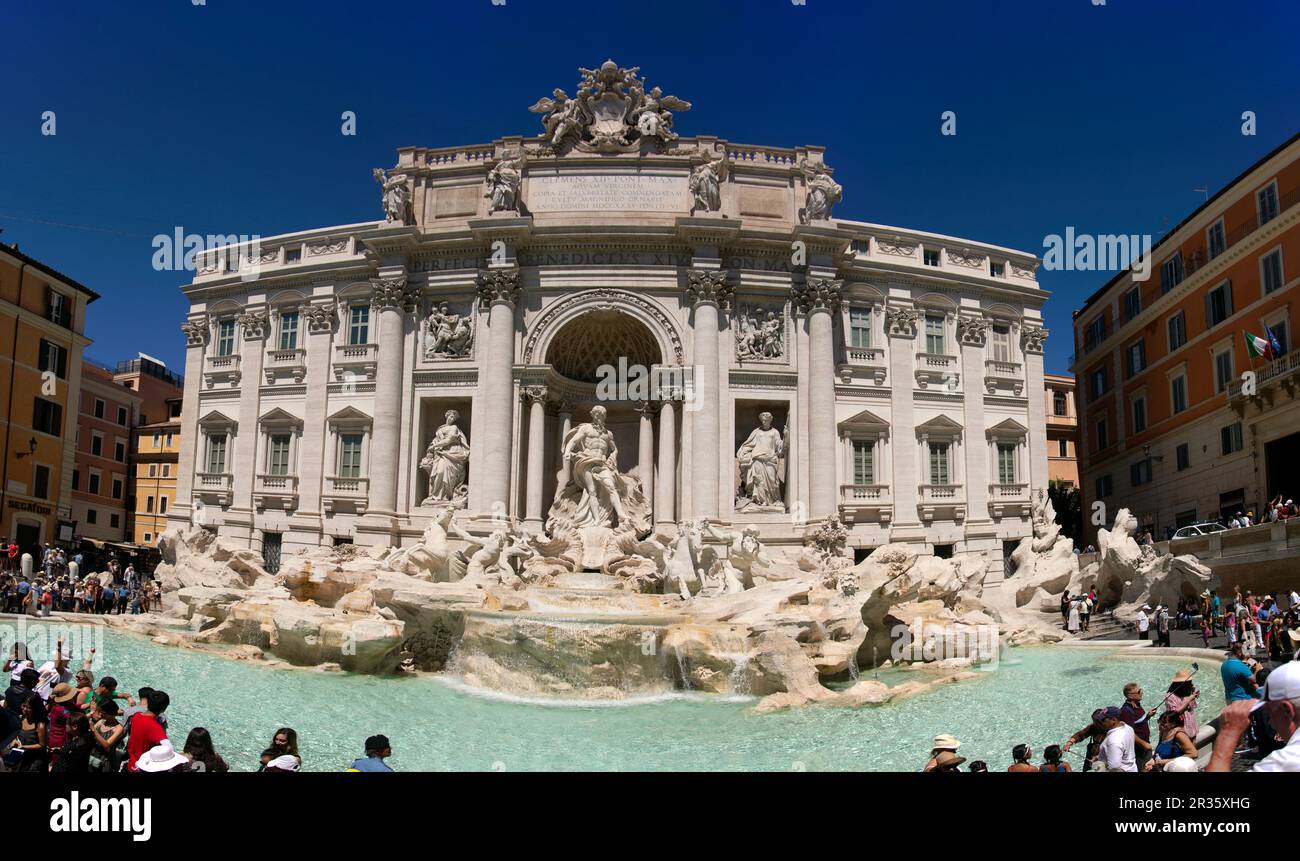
<point x="1257" y="347"/>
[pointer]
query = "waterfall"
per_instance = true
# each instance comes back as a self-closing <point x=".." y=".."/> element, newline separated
<point x="681" y="666"/>
<point x="740" y="672"/>
<point x="853" y="666"/>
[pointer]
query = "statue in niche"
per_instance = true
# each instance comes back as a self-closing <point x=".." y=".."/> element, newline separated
<point x="761" y="334"/>
<point x="823" y="193"/>
<point x="447" y="462"/>
<point x="706" y="185"/>
<point x="451" y="335"/>
<point x="396" y="196"/>
<point x="503" y="185"/>
<point x="591" y="451"/>
<point x="760" y="472"/>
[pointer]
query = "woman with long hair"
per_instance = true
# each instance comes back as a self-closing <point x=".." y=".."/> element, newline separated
<point x="1052" y="760"/>
<point x="1181" y="699"/>
<point x="198" y="748"/>
<point x="1174" y="742"/>
<point x="283" y="743"/>
<point x="32" y="744"/>
<point x="74" y="756"/>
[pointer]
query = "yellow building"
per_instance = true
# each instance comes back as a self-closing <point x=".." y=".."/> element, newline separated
<point x="42" y="325"/>
<point x="157" y="453"/>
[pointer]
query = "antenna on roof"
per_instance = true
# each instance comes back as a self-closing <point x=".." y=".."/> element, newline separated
<point x="1204" y="191"/>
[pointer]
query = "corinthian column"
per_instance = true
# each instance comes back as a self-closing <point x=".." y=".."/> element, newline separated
<point x="535" y="398"/>
<point x="706" y="291"/>
<point x="390" y="300"/>
<point x="252" y="351"/>
<point x="498" y="291"/>
<point x="819" y="298"/>
<point x="665" y="504"/>
<point x="196" y="338"/>
<point x="645" y="462"/>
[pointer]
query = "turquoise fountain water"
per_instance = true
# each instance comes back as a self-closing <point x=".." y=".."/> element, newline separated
<point x="1035" y="695"/>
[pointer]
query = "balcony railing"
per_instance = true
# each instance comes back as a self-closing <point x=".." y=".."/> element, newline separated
<point x="221" y="369"/>
<point x="936" y="368"/>
<point x="1004" y="375"/>
<point x="356" y="359"/>
<point x="1009" y="491"/>
<point x="865" y="361"/>
<point x="865" y="500"/>
<point x="291" y="363"/>
<point x="940" y="494"/>
<point x="345" y="489"/>
<point x="214" y="486"/>
<point x="276" y="489"/>
<point x="1272" y="372"/>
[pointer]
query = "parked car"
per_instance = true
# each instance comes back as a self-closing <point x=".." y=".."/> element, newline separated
<point x="1199" y="529"/>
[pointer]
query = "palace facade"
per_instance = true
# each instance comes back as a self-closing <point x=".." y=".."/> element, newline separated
<point x="686" y="285"/>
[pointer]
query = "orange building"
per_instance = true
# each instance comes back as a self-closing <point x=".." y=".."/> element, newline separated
<point x="42" y="325"/>
<point x="157" y="454"/>
<point x="1062" y="429"/>
<point x="1179" y="423"/>
<point x="100" y="482"/>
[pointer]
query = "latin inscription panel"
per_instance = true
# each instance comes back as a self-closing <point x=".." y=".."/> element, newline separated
<point x="608" y="192"/>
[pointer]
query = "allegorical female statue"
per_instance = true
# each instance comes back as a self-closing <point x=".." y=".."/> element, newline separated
<point x="590" y="449"/>
<point x="760" y="475"/>
<point x="396" y="195"/>
<point x="447" y="462"/>
<point x="503" y="186"/>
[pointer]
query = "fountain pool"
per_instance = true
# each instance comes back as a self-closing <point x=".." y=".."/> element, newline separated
<point x="1037" y="695"/>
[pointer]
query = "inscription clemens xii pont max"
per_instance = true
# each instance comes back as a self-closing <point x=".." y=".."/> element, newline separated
<point x="632" y="192"/>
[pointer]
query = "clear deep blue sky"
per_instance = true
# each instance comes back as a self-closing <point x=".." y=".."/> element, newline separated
<point x="224" y="118"/>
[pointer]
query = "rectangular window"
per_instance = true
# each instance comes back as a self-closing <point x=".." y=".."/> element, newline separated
<point x="96" y="445"/>
<point x="113" y="521"/>
<point x="860" y="327"/>
<point x="1214" y="239"/>
<point x="41" y="481"/>
<point x="1063" y="448"/>
<point x="1104" y="486"/>
<point x="939" y="462"/>
<point x="148" y="505"/>
<point x="292" y="255"/>
<point x="1135" y="358"/>
<point x="1132" y="303"/>
<point x="350" y="455"/>
<point x="60" y="308"/>
<point x="1094" y="333"/>
<point x="1006" y="463"/>
<point x="147" y="537"/>
<point x="47" y="417"/>
<point x="53" y="358"/>
<point x="996" y="269"/>
<point x="117" y="488"/>
<point x="1058" y="403"/>
<point x="1278" y="332"/>
<point x="1230" y="438"/>
<point x="1218" y="304"/>
<point x="934" y="334"/>
<point x="121" y="416"/>
<point x="92" y="516"/>
<point x="76" y="479"/>
<point x="930" y="257"/>
<point x="1222" y="370"/>
<point x="1139" y="473"/>
<point x="864" y="467"/>
<point x="100" y="406"/>
<point x="289" y="330"/>
<point x="1103" y="435"/>
<point x="1139" y="415"/>
<point x="1182" y="456"/>
<point x="93" y="487"/>
<point x="1177" y="326"/>
<point x="359" y="325"/>
<point x="1270" y="271"/>
<point x="1266" y="198"/>
<point x="153" y="470"/>
<point x="217" y="453"/>
<point x="1171" y="273"/>
<point x="167" y="470"/>
<point x="119" y="452"/>
<point x="162" y="505"/>
<point x="1001" y="342"/>
<point x="1097" y="383"/>
<point x="278" y="459"/>
<point x="157" y="440"/>
<point x="226" y="338"/>
<point x="1178" y="394"/>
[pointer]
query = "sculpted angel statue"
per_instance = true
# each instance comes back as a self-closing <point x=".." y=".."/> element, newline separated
<point x="591" y="451"/>
<point x="447" y="461"/>
<point x="450" y="334"/>
<point x="653" y="117"/>
<point x="706" y="185"/>
<point x="503" y="185"/>
<point x="759" y="458"/>
<point x="823" y="193"/>
<point x="396" y="195"/>
<point x="562" y="115"/>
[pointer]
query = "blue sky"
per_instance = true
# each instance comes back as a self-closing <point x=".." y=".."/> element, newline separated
<point x="224" y="117"/>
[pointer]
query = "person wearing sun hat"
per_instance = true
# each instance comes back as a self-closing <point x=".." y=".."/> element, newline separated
<point x="947" y="761"/>
<point x="943" y="742"/>
<point x="1181" y="697"/>
<point x="162" y="757"/>
<point x="1281" y="700"/>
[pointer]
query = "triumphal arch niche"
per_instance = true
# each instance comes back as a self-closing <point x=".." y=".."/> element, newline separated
<point x="607" y="326"/>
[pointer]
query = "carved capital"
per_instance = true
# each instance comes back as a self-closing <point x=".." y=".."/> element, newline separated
<point x="533" y="395"/>
<point x="393" y="293"/>
<point x="972" y="330"/>
<point x="901" y="322"/>
<point x="498" y="285"/>
<point x="319" y="317"/>
<point x="818" y="294"/>
<point x="255" y="325"/>
<point x="196" y="332"/>
<point x="705" y="285"/>
<point x="649" y="409"/>
<point x="1032" y="338"/>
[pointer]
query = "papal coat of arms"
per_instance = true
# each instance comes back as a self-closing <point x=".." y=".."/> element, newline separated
<point x="612" y="111"/>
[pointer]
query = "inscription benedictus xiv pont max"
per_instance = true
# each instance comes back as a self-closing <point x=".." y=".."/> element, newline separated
<point x="584" y="192"/>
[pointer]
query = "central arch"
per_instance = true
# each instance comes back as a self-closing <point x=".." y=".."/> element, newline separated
<point x="655" y="323"/>
<point x="601" y="336"/>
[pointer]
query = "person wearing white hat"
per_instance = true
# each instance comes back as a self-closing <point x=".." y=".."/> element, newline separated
<point x="1281" y="703"/>
<point x="942" y="743"/>
<point x="162" y="757"/>
<point x="287" y="762"/>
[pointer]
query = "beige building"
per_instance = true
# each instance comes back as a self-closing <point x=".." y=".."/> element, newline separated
<point x="1062" y="429"/>
<point x="157" y="450"/>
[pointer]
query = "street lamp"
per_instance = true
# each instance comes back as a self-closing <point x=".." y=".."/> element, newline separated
<point x="31" y="449"/>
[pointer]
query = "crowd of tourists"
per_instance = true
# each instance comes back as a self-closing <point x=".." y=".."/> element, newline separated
<point x="63" y="587"/>
<point x="55" y="719"/>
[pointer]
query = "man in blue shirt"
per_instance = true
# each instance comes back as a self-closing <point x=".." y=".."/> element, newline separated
<point x="377" y="747"/>
<point x="1238" y="677"/>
